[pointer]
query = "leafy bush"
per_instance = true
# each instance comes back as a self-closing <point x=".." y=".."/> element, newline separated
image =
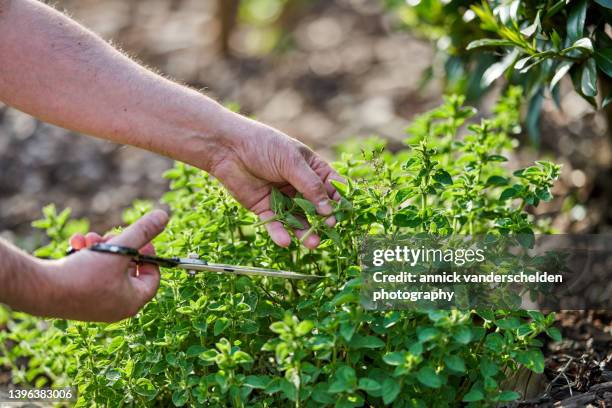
<point x="218" y="340"/>
<point x="536" y="43"/>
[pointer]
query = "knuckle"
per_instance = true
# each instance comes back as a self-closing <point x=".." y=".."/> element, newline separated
<point x="148" y="231"/>
<point x="294" y="160"/>
<point x="314" y="188"/>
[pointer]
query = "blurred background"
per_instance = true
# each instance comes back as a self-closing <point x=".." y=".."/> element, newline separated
<point x="322" y="71"/>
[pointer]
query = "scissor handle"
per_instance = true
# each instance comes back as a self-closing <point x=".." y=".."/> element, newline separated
<point x="132" y="253"/>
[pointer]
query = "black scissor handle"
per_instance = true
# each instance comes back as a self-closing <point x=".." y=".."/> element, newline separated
<point x="132" y="253"/>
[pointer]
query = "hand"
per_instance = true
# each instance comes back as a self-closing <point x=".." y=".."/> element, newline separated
<point x="257" y="158"/>
<point x="106" y="287"/>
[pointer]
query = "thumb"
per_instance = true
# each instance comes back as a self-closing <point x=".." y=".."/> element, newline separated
<point x="304" y="179"/>
<point x="142" y="231"/>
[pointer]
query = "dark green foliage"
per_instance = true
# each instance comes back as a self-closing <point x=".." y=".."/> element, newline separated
<point x="219" y="340"/>
<point x="534" y="43"/>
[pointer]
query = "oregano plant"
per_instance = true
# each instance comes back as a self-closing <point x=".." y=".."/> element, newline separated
<point x="226" y="340"/>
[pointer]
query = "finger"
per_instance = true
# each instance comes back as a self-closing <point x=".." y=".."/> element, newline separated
<point x="275" y="229"/>
<point x="148" y="249"/>
<point x="92" y="238"/>
<point x="108" y="237"/>
<point x="143" y="230"/>
<point x="307" y="182"/>
<point x="311" y="241"/>
<point x="77" y="242"/>
<point x="135" y="269"/>
<point x="326" y="173"/>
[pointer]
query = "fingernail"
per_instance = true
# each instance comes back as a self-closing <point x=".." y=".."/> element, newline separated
<point x="159" y="218"/>
<point x="325" y="207"/>
<point x="331" y="221"/>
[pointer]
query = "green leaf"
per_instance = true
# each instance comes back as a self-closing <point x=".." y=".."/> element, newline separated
<point x="340" y="187"/>
<point x="508" y="193"/>
<point x="394" y="358"/>
<point x="575" y="21"/>
<point x="473" y="395"/>
<point x="488" y="368"/>
<point x="344" y="380"/>
<point x="390" y="390"/>
<point x="604" y="3"/>
<point x="195" y="350"/>
<point x="494" y="341"/>
<point x="279" y="327"/>
<point x="554" y="334"/>
<point x="489" y="42"/>
<point x="368" y="384"/>
<point x="320" y="394"/>
<point x="220" y="325"/>
<point x="145" y="387"/>
<point x="497" y="158"/>
<point x="332" y="234"/>
<point x="588" y="79"/>
<point x="257" y="381"/>
<point x="533" y="359"/>
<point x="463" y="335"/>
<point x="347" y="329"/>
<point x="455" y="363"/>
<point x="180" y="397"/>
<point x="562" y="69"/>
<point x="304" y="327"/>
<point x="428" y="377"/>
<point x="526" y="238"/>
<point x="442" y="176"/>
<point x="509" y="323"/>
<point x="537" y="316"/>
<point x="306" y="206"/>
<point x="369" y="342"/>
<point x="584" y="44"/>
<point x="241" y="357"/>
<point x="603" y="57"/>
<point x="544" y="194"/>
<point x="406" y="218"/>
<point x="292" y="221"/>
<point x="497" y="181"/>
<point x="288" y="389"/>
<point x="277" y="201"/>
<point x="416" y="349"/>
<point x="507" y="396"/>
<point x="403" y="194"/>
<point x="427" y="333"/>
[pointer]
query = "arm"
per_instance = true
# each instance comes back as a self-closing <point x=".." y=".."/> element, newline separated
<point x="60" y="72"/>
<point x="55" y="69"/>
<point x="22" y="278"/>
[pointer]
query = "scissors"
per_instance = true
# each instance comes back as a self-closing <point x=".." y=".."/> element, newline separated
<point x="193" y="264"/>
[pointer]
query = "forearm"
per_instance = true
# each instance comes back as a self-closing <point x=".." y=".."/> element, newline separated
<point x="56" y="70"/>
<point x="24" y="281"/>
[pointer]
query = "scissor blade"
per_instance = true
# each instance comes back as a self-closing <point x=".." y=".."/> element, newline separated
<point x="195" y="265"/>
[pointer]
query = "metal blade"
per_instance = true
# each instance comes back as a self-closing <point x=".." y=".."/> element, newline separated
<point x="197" y="265"/>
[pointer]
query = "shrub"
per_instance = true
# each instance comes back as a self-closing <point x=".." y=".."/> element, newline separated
<point x="219" y="340"/>
<point x="532" y="43"/>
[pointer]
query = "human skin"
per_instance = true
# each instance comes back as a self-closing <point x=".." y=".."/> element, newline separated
<point x="53" y="68"/>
